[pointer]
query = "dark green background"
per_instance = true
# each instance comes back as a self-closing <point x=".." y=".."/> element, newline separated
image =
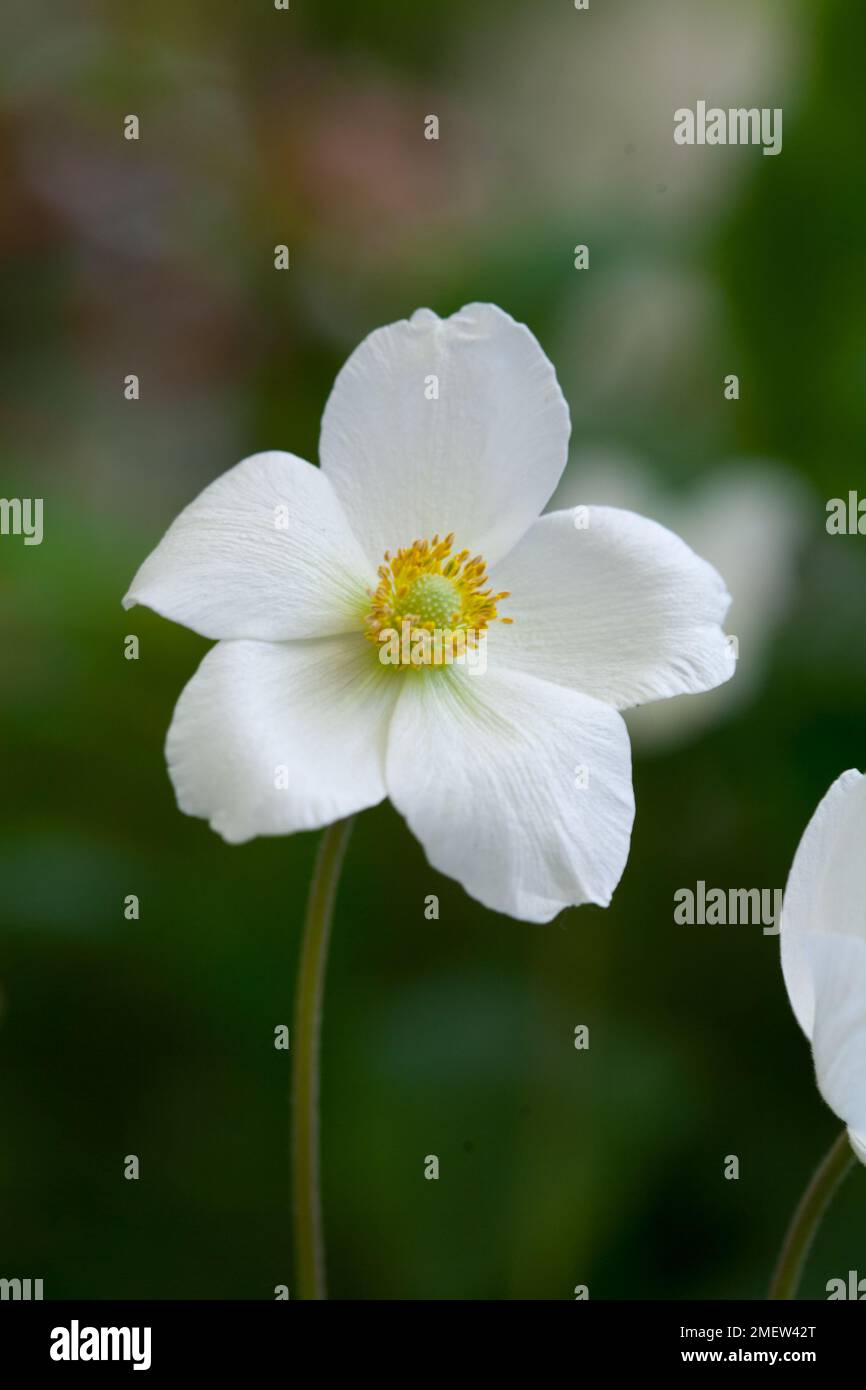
<point x="452" y="1037"/>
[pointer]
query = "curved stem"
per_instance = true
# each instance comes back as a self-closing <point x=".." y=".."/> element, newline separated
<point x="807" y="1218"/>
<point x="306" y="1196"/>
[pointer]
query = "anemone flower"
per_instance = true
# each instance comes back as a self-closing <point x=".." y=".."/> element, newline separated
<point x="823" y="945"/>
<point x="441" y="443"/>
<point x="402" y="621"/>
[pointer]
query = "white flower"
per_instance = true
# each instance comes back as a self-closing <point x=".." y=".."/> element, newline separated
<point x="517" y="779"/>
<point x="823" y="941"/>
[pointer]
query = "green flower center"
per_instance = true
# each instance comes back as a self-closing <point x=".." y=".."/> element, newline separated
<point x="431" y="598"/>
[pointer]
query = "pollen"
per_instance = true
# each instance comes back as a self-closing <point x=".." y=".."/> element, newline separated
<point x="430" y="606"/>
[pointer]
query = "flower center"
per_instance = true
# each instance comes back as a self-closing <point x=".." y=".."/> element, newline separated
<point x="431" y="598"/>
<point x="430" y="607"/>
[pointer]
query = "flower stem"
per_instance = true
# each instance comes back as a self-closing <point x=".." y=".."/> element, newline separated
<point x="306" y="1195"/>
<point x="807" y="1218"/>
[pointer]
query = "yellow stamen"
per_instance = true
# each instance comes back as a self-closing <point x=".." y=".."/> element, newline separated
<point x="424" y="589"/>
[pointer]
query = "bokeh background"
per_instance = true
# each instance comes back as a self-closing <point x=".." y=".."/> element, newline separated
<point x="453" y="1037"/>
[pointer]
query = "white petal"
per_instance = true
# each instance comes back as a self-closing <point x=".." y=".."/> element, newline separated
<point x="481" y="460"/>
<point x="486" y="768"/>
<point x="747" y="519"/>
<point x="621" y="609"/>
<point x="838" y="970"/>
<point x="233" y="565"/>
<point x="313" y="715"/>
<point x="826" y="889"/>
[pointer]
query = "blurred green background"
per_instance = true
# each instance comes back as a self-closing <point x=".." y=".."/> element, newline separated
<point x="455" y="1037"/>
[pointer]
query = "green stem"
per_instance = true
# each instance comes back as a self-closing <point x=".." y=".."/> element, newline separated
<point x="807" y="1218"/>
<point x="306" y="1195"/>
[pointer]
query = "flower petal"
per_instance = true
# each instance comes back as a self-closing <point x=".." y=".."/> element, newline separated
<point x="747" y="519"/>
<point x="826" y="889"/>
<point x="269" y="738"/>
<point x="264" y="552"/>
<point x="481" y="460"/>
<point x="487" y="769"/>
<point x="838" y="971"/>
<point x="619" y="608"/>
